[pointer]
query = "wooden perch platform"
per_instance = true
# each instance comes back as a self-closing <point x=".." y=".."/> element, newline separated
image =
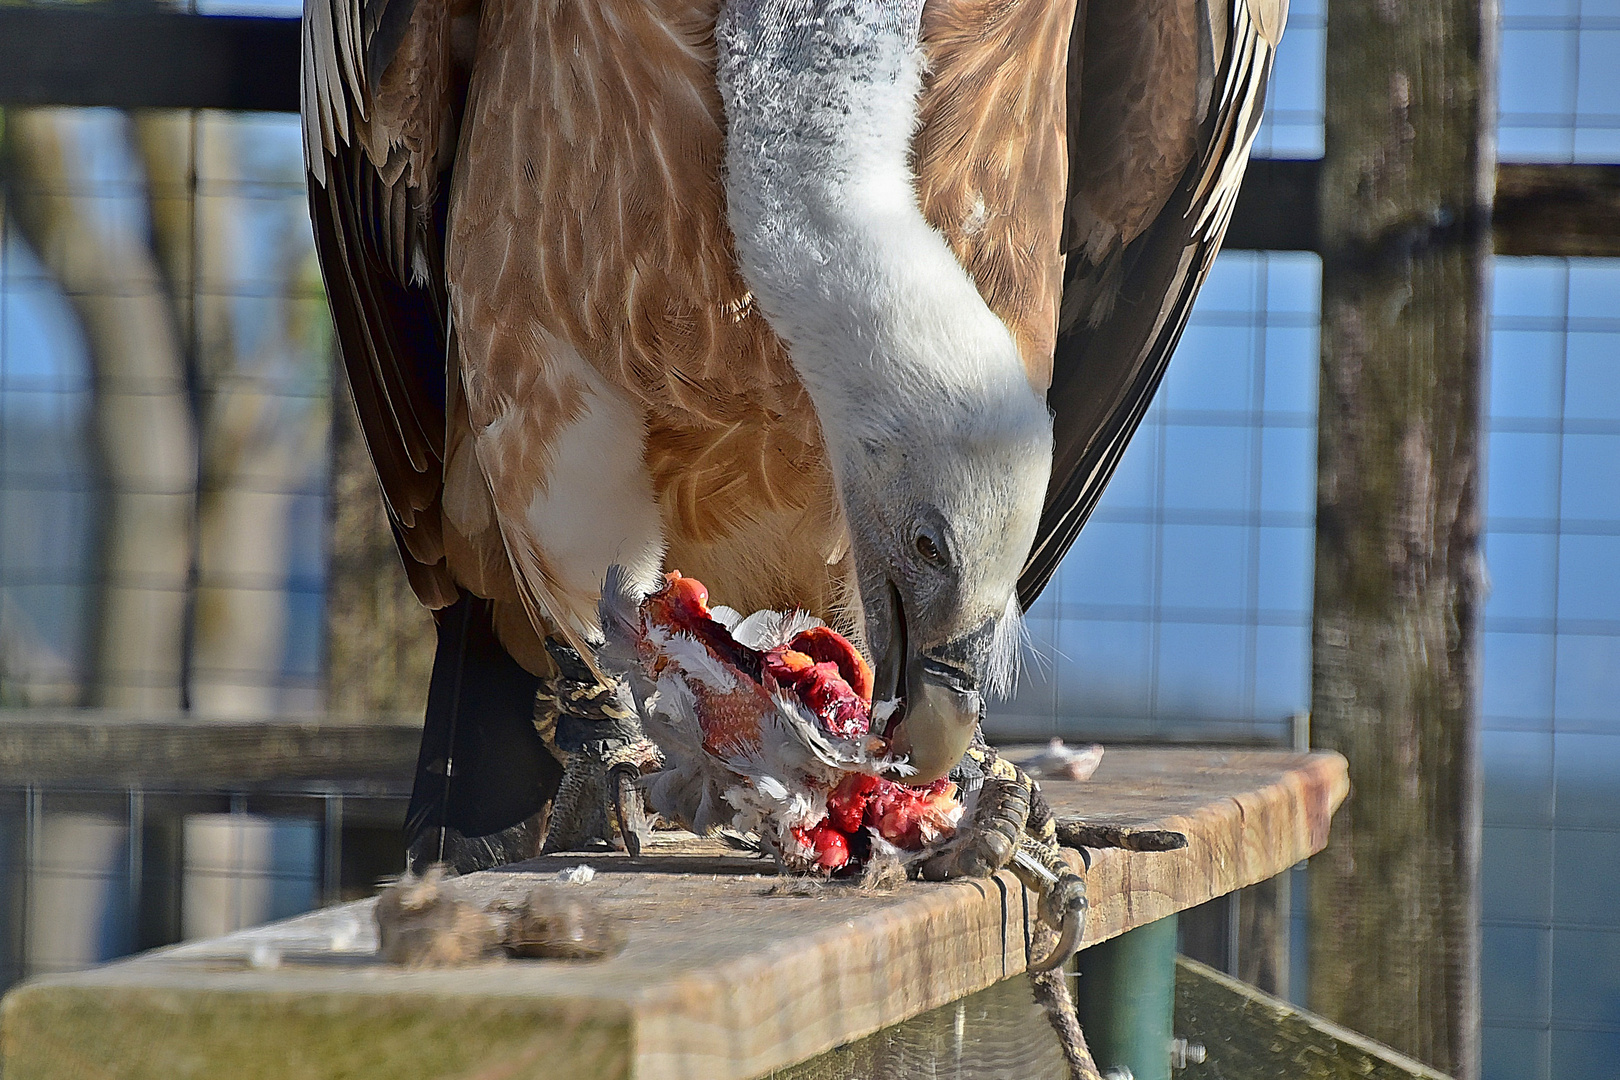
<point x="729" y="972"/>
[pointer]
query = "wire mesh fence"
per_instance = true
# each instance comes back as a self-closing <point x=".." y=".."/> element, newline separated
<point x="165" y="394"/>
<point x="91" y="873"/>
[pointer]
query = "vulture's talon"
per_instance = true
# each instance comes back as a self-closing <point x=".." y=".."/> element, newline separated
<point x="594" y="729"/>
<point x="1063" y="907"/>
<point x="629" y="807"/>
<point x="1011" y="826"/>
<point x="1041" y="866"/>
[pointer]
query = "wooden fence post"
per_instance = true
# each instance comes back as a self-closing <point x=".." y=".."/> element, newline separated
<point x="1405" y="194"/>
<point x="379" y="638"/>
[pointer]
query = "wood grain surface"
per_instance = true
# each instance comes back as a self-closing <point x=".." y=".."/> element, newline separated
<point x="1409" y="128"/>
<point x="729" y="973"/>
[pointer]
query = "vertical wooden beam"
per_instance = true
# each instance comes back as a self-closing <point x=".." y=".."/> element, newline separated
<point x="1405" y="201"/>
<point x="379" y="638"/>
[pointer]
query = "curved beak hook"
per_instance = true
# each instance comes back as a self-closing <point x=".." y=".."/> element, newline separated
<point x="940" y="718"/>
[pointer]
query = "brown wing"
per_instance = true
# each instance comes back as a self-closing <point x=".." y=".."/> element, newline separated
<point x="1163" y="109"/>
<point x="1148" y="111"/>
<point x="375" y="136"/>
<point x="989" y="154"/>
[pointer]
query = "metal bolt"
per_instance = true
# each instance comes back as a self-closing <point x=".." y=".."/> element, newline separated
<point x="1184" y="1053"/>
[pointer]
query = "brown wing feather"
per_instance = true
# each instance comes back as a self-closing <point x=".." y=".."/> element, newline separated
<point x="1129" y="298"/>
<point x="372" y="153"/>
<point x="1134" y="112"/>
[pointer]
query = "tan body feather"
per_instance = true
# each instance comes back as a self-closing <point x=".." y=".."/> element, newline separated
<point x="588" y="272"/>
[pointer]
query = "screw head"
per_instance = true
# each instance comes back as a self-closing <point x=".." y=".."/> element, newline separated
<point x="1184" y="1053"/>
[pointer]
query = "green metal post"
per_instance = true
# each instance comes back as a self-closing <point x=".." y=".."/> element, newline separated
<point x="1127" y="997"/>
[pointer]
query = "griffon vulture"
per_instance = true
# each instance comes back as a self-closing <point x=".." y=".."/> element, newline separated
<point x="844" y="305"/>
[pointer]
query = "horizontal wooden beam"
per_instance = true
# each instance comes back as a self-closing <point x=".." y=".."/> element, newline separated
<point x="92" y="748"/>
<point x="114" y="56"/>
<point x="1276" y="208"/>
<point x="130" y="59"/>
<point x="1557" y="210"/>
<point x="1541" y="209"/>
<point x="727" y="972"/>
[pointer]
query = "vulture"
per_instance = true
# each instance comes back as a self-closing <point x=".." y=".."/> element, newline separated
<point x="845" y="306"/>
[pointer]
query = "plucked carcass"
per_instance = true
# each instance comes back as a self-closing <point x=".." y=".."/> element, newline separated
<point x="767" y="725"/>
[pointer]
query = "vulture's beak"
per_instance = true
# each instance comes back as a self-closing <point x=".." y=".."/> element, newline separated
<point x="940" y="715"/>
<point x="940" y="690"/>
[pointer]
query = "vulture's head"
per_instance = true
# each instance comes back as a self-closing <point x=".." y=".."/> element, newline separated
<point x="939" y="528"/>
<point x="940" y="444"/>
<point x="942" y="493"/>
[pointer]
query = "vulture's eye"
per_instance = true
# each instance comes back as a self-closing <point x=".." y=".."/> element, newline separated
<point x="929" y="549"/>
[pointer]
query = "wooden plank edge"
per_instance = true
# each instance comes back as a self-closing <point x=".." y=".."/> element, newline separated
<point x="937" y="946"/>
<point x="99" y="55"/>
<point x="96" y="749"/>
<point x="1571" y="210"/>
<point x="52" y="1029"/>
<point x="1541" y="208"/>
<point x="134" y="59"/>
<point x="1246" y="1032"/>
<point x="1227" y="848"/>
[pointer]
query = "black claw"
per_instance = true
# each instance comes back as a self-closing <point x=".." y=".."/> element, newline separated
<point x="974" y="863"/>
<point x="1074" y="925"/>
<point x="993" y="850"/>
<point x="1063" y="907"/>
<point x="1069" y="894"/>
<point x="629" y="809"/>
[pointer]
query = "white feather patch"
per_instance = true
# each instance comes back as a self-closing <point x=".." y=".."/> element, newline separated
<point x="766" y="630"/>
<point x="693" y="658"/>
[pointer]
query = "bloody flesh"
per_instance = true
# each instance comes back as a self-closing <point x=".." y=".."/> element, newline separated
<point x="824" y="672"/>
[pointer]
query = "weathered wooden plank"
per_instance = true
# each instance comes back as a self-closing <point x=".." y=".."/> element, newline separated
<point x="1406" y="199"/>
<point x="1273" y="809"/>
<point x="129" y="59"/>
<point x="1548" y="208"/>
<point x="1249" y="1034"/>
<point x="93" y="55"/>
<point x="725" y="975"/>
<point x="1557" y="210"/>
<point x="102" y="748"/>
<point x="1276" y="207"/>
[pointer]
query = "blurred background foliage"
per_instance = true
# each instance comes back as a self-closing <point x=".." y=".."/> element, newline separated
<point x="167" y="395"/>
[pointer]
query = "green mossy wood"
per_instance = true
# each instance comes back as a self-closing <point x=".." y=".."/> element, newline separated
<point x="1252" y="1035"/>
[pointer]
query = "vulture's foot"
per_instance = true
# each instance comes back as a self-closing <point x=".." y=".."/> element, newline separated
<point x="465" y="854"/>
<point x="988" y="838"/>
<point x="594" y="730"/>
<point x="1011" y="826"/>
